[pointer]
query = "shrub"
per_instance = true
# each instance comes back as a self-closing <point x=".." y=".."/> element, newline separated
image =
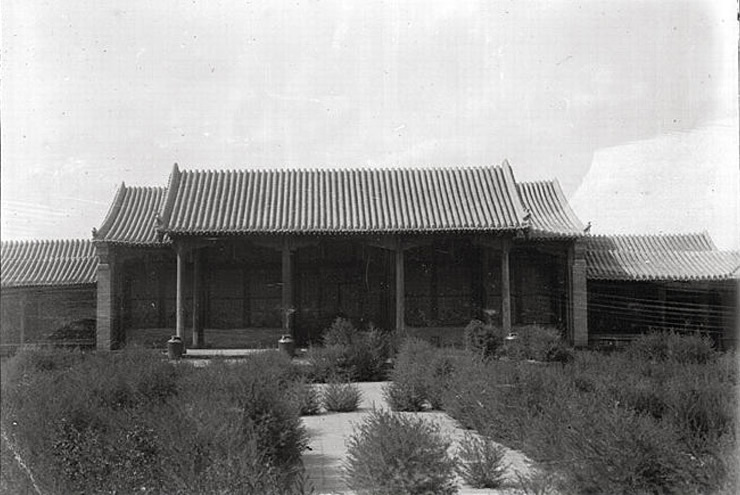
<point x="29" y="362"/>
<point x="405" y="396"/>
<point x="359" y="356"/>
<point x="341" y="397"/>
<point x="414" y="376"/>
<point x="481" y="462"/>
<point x="537" y="483"/>
<point x="132" y="422"/>
<point x="256" y="390"/>
<point x="369" y="355"/>
<point x="340" y="332"/>
<point x="537" y="343"/>
<point x="483" y="338"/>
<point x="614" y="450"/>
<point x="306" y="397"/>
<point x="326" y="362"/>
<point x="389" y="453"/>
<point x="673" y="346"/>
<point x="607" y="423"/>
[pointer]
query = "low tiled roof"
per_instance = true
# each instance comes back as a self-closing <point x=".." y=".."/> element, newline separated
<point x="659" y="257"/>
<point x="132" y="216"/>
<point x="47" y="263"/>
<point x="653" y="242"/>
<point x="342" y="201"/>
<point x="551" y="215"/>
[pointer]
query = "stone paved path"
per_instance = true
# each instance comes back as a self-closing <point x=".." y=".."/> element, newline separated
<point x="329" y="432"/>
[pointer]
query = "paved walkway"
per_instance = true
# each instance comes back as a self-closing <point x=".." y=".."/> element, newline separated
<point x="330" y="431"/>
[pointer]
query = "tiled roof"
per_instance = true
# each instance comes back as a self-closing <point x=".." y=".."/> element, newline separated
<point x="47" y="263"/>
<point x="659" y="257"/>
<point x="653" y="242"/>
<point x="132" y="216"/>
<point x="551" y="215"/>
<point x="342" y="201"/>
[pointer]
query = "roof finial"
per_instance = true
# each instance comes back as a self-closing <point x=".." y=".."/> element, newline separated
<point x="587" y="230"/>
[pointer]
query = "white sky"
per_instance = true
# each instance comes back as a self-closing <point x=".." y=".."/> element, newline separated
<point x="94" y="93"/>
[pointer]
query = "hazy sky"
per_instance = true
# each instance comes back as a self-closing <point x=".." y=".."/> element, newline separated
<point x="94" y="93"/>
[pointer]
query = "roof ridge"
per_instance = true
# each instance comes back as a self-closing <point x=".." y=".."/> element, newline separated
<point x="537" y="181"/>
<point x="40" y="242"/>
<point x="163" y="215"/>
<point x="147" y="187"/>
<point x="113" y="210"/>
<point x="385" y="168"/>
<point x="659" y="234"/>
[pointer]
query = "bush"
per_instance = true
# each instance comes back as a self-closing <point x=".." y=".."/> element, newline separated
<point x="347" y="352"/>
<point x="306" y="397"/>
<point x="419" y="377"/>
<point x="28" y="363"/>
<point x="482" y="338"/>
<point x="370" y="354"/>
<point x="326" y="362"/>
<point x="608" y="423"/>
<point x="389" y="453"/>
<point x="341" y="397"/>
<point x="537" y="343"/>
<point x="405" y="395"/>
<point x="133" y="422"/>
<point x="672" y="346"/>
<point x="481" y="462"/>
<point x="340" y="332"/>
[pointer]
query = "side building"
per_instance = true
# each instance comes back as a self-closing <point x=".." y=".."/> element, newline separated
<point x="675" y="281"/>
<point x="47" y="293"/>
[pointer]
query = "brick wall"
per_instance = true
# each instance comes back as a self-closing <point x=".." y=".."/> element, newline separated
<point x="46" y="310"/>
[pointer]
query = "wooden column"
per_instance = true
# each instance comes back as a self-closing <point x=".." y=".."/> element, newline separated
<point x="161" y="294"/>
<point x="578" y="295"/>
<point x="22" y="330"/>
<point x="484" y="278"/>
<point x="505" y="286"/>
<point x="180" y="295"/>
<point x="198" y="337"/>
<point x="662" y="299"/>
<point x="400" y="287"/>
<point x="287" y="299"/>
<point x="107" y="306"/>
<point x="434" y="285"/>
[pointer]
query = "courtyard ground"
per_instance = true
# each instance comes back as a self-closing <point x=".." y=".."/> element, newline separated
<point x="330" y="431"/>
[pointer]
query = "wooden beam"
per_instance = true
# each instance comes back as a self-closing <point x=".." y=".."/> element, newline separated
<point x="198" y="337"/>
<point x="180" y="295"/>
<point x="400" y="288"/>
<point x="505" y="287"/>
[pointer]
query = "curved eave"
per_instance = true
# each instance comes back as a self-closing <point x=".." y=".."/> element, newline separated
<point x="663" y="265"/>
<point x="46" y="285"/>
<point x="118" y="242"/>
<point x="544" y="235"/>
<point x="657" y="278"/>
<point x="215" y="233"/>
